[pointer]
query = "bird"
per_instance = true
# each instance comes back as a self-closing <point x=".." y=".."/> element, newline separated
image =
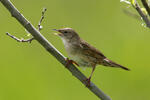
<point x="82" y="53"/>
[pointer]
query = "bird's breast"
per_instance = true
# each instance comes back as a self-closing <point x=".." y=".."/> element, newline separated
<point x="75" y="53"/>
<point x="81" y="62"/>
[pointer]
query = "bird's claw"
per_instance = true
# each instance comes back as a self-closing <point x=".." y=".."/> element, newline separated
<point x="88" y="81"/>
<point x="68" y="62"/>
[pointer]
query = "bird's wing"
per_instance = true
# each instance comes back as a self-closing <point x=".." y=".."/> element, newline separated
<point x="91" y="51"/>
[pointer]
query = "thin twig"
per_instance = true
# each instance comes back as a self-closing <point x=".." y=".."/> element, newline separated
<point x="19" y="40"/>
<point x="42" y="17"/>
<point x="145" y="4"/>
<point x="51" y="49"/>
<point x="29" y="40"/>
<point x="144" y="17"/>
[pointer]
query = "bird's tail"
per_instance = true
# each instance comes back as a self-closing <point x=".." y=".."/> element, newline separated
<point x="107" y="62"/>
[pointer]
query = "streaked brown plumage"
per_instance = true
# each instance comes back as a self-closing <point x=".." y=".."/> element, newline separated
<point x="83" y="53"/>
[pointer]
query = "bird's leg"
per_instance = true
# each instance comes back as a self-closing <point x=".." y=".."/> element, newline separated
<point x="89" y="79"/>
<point x="68" y="62"/>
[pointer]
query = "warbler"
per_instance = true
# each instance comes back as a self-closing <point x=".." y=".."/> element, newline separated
<point x="83" y="54"/>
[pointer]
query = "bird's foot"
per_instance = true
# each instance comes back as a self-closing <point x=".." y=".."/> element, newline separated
<point x="68" y="62"/>
<point x="88" y="81"/>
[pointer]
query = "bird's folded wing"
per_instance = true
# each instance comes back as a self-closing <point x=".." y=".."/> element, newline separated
<point x="91" y="51"/>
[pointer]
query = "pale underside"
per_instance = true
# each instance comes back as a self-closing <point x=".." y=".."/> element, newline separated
<point x="82" y="55"/>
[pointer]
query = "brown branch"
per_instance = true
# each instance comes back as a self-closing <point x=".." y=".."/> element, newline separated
<point x="145" y="4"/>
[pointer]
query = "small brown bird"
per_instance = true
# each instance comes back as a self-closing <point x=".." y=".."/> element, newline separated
<point x="83" y="54"/>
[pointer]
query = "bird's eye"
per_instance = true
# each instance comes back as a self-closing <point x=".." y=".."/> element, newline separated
<point x="65" y="32"/>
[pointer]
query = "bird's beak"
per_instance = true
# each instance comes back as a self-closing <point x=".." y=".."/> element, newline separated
<point x="58" y="34"/>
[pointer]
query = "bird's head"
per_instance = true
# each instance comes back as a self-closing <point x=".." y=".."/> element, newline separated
<point x="67" y="33"/>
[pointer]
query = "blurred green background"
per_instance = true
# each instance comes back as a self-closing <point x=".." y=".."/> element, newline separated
<point x="28" y="72"/>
